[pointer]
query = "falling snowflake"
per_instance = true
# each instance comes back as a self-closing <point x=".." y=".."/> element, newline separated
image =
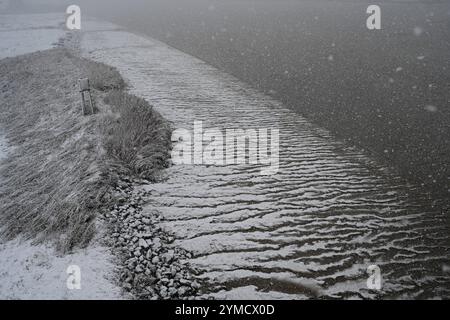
<point x="418" y="31"/>
<point x="431" y="108"/>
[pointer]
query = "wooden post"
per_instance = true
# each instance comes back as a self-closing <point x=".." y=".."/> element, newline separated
<point x="86" y="98"/>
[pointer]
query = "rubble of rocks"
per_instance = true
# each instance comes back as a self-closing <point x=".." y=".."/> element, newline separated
<point x="151" y="268"/>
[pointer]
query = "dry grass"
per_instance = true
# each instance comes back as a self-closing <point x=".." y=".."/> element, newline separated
<point x="138" y="137"/>
<point x="102" y="77"/>
<point x="58" y="175"/>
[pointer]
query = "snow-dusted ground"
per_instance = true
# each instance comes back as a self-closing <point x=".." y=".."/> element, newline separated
<point x="30" y="271"/>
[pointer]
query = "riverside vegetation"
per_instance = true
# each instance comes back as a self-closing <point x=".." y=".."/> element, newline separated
<point x="67" y="176"/>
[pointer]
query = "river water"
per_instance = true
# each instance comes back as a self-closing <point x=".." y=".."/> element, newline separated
<point x="310" y="230"/>
<point x="384" y="90"/>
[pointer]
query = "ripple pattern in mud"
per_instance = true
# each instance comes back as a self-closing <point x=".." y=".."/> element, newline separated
<point x="312" y="229"/>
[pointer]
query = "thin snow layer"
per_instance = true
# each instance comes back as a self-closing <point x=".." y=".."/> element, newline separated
<point x="36" y="272"/>
<point x="30" y="271"/>
<point x="313" y="228"/>
<point x="253" y="293"/>
<point x="26" y="33"/>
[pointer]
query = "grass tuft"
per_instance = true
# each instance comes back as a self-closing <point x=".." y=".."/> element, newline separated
<point x="103" y="77"/>
<point x="137" y="136"/>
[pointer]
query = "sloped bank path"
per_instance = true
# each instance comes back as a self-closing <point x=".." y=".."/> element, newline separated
<point x="310" y="230"/>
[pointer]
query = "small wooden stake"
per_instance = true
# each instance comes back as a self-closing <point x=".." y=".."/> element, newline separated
<point x="86" y="98"/>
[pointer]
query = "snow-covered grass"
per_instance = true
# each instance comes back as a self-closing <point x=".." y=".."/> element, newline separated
<point x="102" y="77"/>
<point x="57" y="167"/>
<point x="52" y="180"/>
<point x="59" y="176"/>
<point x="37" y="271"/>
<point x="139" y="138"/>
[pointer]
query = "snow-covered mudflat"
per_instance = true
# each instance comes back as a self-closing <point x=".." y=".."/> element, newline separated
<point x="313" y="228"/>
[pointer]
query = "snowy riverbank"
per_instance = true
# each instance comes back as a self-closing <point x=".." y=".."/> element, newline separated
<point x="73" y="177"/>
<point x="29" y="270"/>
<point x="311" y="230"/>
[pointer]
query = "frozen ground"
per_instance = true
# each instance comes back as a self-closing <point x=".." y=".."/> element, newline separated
<point x="29" y="271"/>
<point x="21" y="34"/>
